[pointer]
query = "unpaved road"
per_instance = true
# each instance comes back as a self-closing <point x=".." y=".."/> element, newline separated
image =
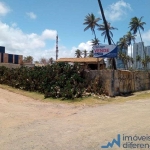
<point x="27" y="124"/>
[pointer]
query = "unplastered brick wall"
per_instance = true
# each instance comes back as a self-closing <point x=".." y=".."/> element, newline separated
<point x="5" y="57"/>
<point x="105" y="75"/>
<point x="121" y="81"/>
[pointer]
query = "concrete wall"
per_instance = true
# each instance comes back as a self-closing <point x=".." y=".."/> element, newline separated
<point x="121" y="81"/>
<point x="28" y="65"/>
<point x="10" y="65"/>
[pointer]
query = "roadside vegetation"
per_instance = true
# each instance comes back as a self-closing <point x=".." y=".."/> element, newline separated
<point x="59" y="80"/>
<point x="84" y="101"/>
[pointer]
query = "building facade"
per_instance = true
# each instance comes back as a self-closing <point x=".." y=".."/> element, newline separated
<point x="9" y="58"/>
<point x="139" y="52"/>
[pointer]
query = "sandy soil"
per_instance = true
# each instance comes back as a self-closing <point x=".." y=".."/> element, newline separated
<point x="27" y="124"/>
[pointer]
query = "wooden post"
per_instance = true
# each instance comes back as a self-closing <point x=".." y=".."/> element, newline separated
<point x="98" y="63"/>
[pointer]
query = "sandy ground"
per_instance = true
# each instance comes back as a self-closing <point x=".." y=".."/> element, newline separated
<point x="27" y="124"/>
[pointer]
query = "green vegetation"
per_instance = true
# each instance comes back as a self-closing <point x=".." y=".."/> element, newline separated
<point x="135" y="25"/>
<point x="84" y="101"/>
<point x="91" y="23"/>
<point x="103" y="29"/>
<point x="57" y="81"/>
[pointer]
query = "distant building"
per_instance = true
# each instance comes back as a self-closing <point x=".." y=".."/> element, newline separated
<point x="119" y="62"/>
<point x="138" y="50"/>
<point x="9" y="58"/>
<point x="147" y="49"/>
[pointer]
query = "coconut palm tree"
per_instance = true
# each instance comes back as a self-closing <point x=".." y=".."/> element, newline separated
<point x="91" y="53"/>
<point x="105" y="22"/>
<point x="148" y="59"/>
<point x="85" y="53"/>
<point x="123" y="57"/>
<point x="132" y="60"/>
<point x="103" y="29"/>
<point x="123" y="43"/>
<point x="144" y="63"/>
<point x="128" y="58"/>
<point x="130" y="37"/>
<point x="91" y="21"/>
<point x="78" y="53"/>
<point x="107" y="31"/>
<point x="135" y="25"/>
<point x="95" y="41"/>
<point x="138" y="59"/>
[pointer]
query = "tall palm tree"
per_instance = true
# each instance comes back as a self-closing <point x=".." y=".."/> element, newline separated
<point x="85" y="53"/>
<point x="123" y="43"/>
<point x="130" y="37"/>
<point x="144" y="63"/>
<point x="123" y="57"/>
<point x="138" y="59"/>
<point x="103" y="29"/>
<point x="95" y="41"/>
<point x="128" y="58"/>
<point x="78" y="53"/>
<point x="91" y="53"/>
<point x="105" y="22"/>
<point x="91" y="21"/>
<point x="132" y="61"/>
<point x="107" y="31"/>
<point x="135" y="25"/>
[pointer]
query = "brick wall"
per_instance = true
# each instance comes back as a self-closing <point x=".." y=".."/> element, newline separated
<point x="5" y="57"/>
<point x="119" y="81"/>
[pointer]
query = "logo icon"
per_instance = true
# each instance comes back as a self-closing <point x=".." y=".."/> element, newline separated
<point x="114" y="141"/>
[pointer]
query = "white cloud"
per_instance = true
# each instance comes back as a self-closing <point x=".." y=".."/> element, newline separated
<point x="31" y="15"/>
<point x="146" y="37"/>
<point x="49" y="34"/>
<point x="117" y="11"/>
<point x="14" y="24"/>
<point x="4" y="9"/>
<point x="18" y="42"/>
<point x="65" y="53"/>
<point x="85" y="46"/>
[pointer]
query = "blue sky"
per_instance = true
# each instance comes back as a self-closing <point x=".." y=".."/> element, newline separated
<point x="30" y="27"/>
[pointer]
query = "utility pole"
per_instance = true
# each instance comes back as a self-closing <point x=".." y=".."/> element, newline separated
<point x="57" y="47"/>
<point x="107" y="31"/>
<point x="109" y="42"/>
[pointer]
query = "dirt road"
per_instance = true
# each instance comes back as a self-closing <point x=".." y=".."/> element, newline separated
<point x="27" y="124"/>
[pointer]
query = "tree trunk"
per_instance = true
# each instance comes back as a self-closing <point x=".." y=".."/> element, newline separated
<point x="107" y="32"/>
<point x="131" y="50"/>
<point x="105" y="22"/>
<point x="94" y="33"/>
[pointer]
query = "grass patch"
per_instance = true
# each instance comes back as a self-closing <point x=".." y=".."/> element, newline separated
<point x="88" y="101"/>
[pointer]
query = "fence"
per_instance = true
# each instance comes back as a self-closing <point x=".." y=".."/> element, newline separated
<point x="122" y="81"/>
